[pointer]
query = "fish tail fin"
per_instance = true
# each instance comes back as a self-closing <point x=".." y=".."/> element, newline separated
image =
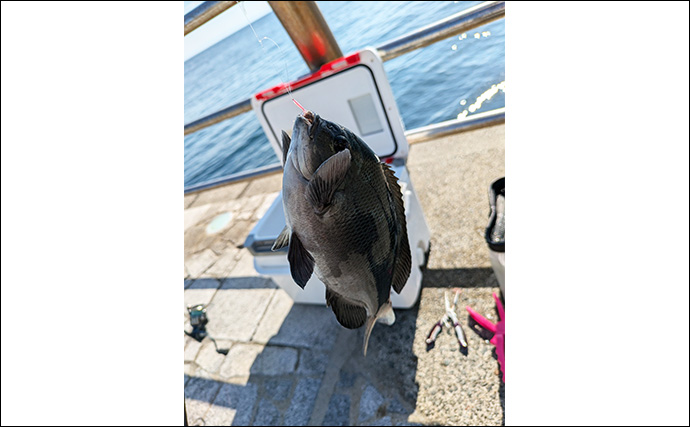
<point x="371" y="321"/>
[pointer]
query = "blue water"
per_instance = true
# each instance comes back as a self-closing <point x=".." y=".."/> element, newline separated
<point x="449" y="78"/>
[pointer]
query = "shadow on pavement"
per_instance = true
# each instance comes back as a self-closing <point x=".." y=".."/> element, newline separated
<point x="311" y="370"/>
<point x="249" y="282"/>
<point x="459" y="278"/>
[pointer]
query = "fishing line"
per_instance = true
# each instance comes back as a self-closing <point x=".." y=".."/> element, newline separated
<point x="282" y="54"/>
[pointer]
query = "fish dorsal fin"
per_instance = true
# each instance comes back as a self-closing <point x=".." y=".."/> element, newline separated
<point x="282" y="240"/>
<point x="327" y="179"/>
<point x="301" y="262"/>
<point x="349" y="315"/>
<point x="286" y="146"/>
<point x="403" y="259"/>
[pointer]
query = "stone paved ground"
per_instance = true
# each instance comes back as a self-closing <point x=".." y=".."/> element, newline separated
<point x="293" y="364"/>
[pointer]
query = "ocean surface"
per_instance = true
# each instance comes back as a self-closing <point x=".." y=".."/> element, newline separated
<point x="458" y="76"/>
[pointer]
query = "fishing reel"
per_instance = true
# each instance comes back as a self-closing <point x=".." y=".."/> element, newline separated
<point x="198" y="320"/>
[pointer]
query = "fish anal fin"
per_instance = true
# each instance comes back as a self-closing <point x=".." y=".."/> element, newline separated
<point x="301" y="262"/>
<point x="282" y="240"/>
<point x="326" y="180"/>
<point x="403" y="258"/>
<point x="349" y="315"/>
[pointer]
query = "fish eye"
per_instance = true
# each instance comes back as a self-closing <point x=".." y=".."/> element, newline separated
<point x="340" y="143"/>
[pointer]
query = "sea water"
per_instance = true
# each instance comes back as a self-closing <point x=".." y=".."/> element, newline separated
<point x="455" y="77"/>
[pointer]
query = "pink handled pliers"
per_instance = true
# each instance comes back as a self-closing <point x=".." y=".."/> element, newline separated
<point x="499" y="330"/>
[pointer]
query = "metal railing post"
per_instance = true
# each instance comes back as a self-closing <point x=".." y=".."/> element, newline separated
<point x="466" y="20"/>
<point x="218" y="116"/>
<point x="308" y="30"/>
<point x="450" y="127"/>
<point x="414" y="136"/>
<point x="204" y="13"/>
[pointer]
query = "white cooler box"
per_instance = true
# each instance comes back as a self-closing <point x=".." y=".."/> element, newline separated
<point x="354" y="92"/>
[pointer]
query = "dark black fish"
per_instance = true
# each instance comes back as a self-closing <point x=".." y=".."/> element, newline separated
<point x="345" y="221"/>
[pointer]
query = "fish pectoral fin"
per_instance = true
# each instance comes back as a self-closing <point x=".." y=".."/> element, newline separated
<point x="327" y="178"/>
<point x="301" y="262"/>
<point x="282" y="240"/>
<point x="349" y="315"/>
<point x="286" y="146"/>
<point x="402" y="264"/>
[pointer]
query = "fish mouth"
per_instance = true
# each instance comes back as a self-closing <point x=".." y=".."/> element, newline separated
<point x="311" y="120"/>
<point x="309" y="117"/>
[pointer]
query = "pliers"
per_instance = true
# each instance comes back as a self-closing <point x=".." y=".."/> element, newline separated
<point x="448" y="318"/>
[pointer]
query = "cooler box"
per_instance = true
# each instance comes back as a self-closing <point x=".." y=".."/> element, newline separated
<point x="354" y="92"/>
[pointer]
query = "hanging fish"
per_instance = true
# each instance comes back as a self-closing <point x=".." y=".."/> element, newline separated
<point x="345" y="221"/>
